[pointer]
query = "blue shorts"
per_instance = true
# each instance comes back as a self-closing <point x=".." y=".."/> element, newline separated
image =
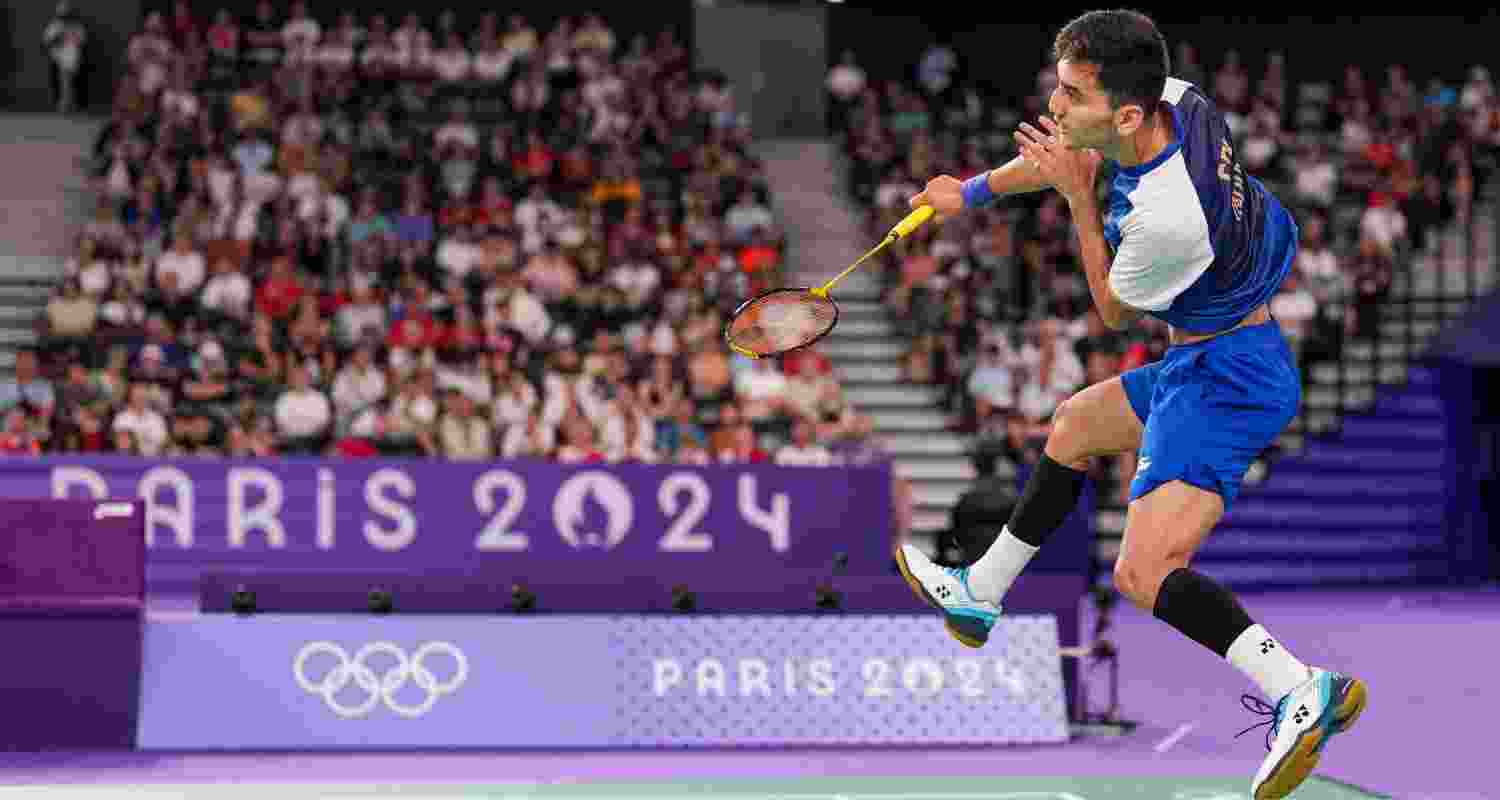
<point x="1211" y="407"/>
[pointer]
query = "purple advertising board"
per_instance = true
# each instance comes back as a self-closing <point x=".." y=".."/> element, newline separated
<point x="545" y="520"/>
<point x="318" y="682"/>
<point x="71" y="599"/>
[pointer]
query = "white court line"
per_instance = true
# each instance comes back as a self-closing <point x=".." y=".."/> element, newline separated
<point x="341" y="793"/>
<point x="1174" y="737"/>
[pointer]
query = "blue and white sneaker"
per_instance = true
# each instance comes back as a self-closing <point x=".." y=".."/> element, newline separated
<point x="1301" y="724"/>
<point x="968" y="619"/>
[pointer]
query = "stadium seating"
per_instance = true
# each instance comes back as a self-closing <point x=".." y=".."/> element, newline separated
<point x="363" y="237"/>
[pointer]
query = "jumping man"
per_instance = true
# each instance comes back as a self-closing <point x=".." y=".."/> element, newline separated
<point x="1188" y="238"/>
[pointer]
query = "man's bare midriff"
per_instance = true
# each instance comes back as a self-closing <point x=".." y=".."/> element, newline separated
<point x="1256" y="317"/>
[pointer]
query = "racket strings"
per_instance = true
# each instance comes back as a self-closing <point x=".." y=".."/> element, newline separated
<point x="780" y="321"/>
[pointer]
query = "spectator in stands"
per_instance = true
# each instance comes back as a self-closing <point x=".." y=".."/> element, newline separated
<point x="1372" y="271"/>
<point x="845" y="83"/>
<point x="64" y="39"/>
<point x="146" y="427"/>
<point x="304" y="417"/>
<point x="803" y="450"/>
<point x="463" y="435"/>
<point x="1295" y="308"/>
<point x="70" y="319"/>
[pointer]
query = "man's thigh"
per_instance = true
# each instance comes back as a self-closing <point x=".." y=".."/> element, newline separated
<point x="1101" y="420"/>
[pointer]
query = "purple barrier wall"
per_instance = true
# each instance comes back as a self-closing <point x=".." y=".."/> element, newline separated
<point x="531" y="520"/>
<point x="72" y="591"/>
<point x="313" y="682"/>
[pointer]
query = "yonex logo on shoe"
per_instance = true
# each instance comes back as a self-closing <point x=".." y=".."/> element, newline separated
<point x="1301" y="715"/>
<point x="943" y="592"/>
<point x="1267" y="646"/>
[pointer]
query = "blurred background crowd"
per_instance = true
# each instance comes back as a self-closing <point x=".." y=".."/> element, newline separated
<point x="450" y="237"/>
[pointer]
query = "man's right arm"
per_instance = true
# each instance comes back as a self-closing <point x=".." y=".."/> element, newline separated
<point x="1017" y="176"/>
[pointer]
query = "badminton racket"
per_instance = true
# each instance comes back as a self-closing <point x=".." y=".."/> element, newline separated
<point x="782" y="320"/>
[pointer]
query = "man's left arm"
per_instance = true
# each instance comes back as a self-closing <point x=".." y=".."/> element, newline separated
<point x="1094" y="250"/>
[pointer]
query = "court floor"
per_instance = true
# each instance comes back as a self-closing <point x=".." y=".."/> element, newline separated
<point x="812" y="788"/>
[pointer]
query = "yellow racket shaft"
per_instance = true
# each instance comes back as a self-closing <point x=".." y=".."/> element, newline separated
<point x="903" y="228"/>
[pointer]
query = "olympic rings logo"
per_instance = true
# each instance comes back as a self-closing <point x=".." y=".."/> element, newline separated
<point x="382" y="687"/>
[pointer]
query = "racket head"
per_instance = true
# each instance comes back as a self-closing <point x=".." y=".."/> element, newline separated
<point x="780" y="321"/>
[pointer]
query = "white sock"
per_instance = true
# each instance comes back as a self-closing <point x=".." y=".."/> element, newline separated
<point x="992" y="575"/>
<point x="1273" y="668"/>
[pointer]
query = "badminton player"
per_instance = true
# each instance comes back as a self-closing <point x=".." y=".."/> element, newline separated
<point x="1188" y="238"/>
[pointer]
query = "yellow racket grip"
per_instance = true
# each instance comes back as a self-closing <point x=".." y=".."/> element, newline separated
<point x="742" y="351"/>
<point x="913" y="221"/>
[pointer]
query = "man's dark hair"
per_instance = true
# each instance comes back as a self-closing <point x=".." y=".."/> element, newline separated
<point x="1129" y="51"/>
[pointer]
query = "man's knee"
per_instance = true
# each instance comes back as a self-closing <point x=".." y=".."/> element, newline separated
<point x="1065" y="443"/>
<point x="1140" y="579"/>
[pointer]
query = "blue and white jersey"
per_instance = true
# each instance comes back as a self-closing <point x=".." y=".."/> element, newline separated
<point x="1197" y="243"/>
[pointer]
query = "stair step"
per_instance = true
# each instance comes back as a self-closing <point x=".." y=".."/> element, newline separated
<point x="891" y="394"/>
<point x="27" y="271"/>
<point x="1232" y="543"/>
<point x="907" y="420"/>
<point x="1352" y="487"/>
<point x="937" y="492"/>
<point x="1410" y="403"/>
<point x="865" y="326"/>
<point x="870" y="372"/>
<point x="1247" y="575"/>
<point x="1359" y="372"/>
<point x="1252" y="511"/>
<point x="930" y="520"/>
<point x="838" y="346"/>
<point x="26" y="296"/>
<point x="17" y="337"/>
<point x="1421" y="330"/>
<point x="1327" y="397"/>
<point x="861" y="308"/>
<point x="1431" y="306"/>
<point x="1367" y="351"/>
<point x="932" y="444"/>
<point x="1421" y="376"/>
<point x="1412" y="431"/>
<point x="956" y="469"/>
<point x="1335" y="456"/>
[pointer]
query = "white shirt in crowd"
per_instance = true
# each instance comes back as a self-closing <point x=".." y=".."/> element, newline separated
<point x="813" y="455"/>
<point x="456" y="132"/>
<point x="470" y="383"/>
<point x="458" y="256"/>
<point x="514" y="404"/>
<point x="189" y="268"/>
<point x="302" y="412"/>
<point x="1294" y="309"/>
<point x="1385" y="224"/>
<point x="452" y="64"/>
<point x="356" y="319"/>
<point x="227" y="293"/>
<point x="355" y="388"/>
<point x="846" y="81"/>
<point x="147" y="426"/>
<point x="492" y="66"/>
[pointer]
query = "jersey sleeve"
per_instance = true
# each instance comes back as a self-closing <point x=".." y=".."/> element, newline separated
<point x="1163" y="250"/>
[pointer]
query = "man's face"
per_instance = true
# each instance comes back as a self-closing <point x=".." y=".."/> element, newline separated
<point x="1081" y="108"/>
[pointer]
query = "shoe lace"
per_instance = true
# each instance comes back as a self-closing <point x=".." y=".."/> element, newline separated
<point x="1255" y="705"/>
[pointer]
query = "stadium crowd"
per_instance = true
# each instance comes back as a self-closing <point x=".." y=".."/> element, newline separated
<point x="995" y="302"/>
<point x="456" y="238"/>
